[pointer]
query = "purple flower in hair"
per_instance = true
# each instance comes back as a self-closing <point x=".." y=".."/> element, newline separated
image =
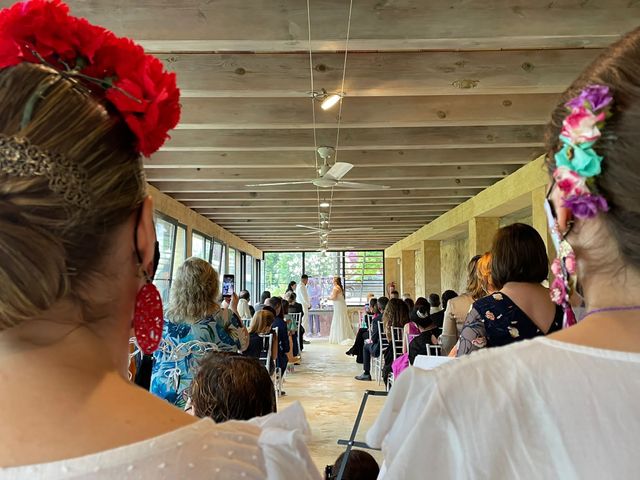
<point x="597" y="95"/>
<point x="586" y="206"/>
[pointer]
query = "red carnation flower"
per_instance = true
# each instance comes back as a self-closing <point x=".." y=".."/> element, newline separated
<point x="135" y="83"/>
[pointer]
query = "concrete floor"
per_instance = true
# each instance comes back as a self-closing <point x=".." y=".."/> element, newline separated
<point x="331" y="397"/>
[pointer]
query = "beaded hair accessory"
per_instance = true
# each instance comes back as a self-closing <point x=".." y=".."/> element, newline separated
<point x="19" y="158"/>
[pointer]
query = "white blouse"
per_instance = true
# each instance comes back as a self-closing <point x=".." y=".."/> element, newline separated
<point x="535" y="409"/>
<point x="269" y="447"/>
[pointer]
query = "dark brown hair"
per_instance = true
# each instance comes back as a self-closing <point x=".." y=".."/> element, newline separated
<point x="53" y="251"/>
<point x="229" y="386"/>
<point x="396" y="314"/>
<point x="518" y="254"/>
<point x="360" y="466"/>
<point x="619" y="68"/>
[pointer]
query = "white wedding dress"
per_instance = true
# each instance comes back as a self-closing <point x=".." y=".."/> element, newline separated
<point x="341" y="330"/>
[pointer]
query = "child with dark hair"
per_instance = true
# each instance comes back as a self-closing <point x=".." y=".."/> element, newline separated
<point x="429" y="333"/>
<point x="229" y="386"/>
<point x="360" y="466"/>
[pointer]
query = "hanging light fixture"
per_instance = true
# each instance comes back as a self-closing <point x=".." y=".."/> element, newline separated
<point x="327" y="100"/>
<point x="324" y="204"/>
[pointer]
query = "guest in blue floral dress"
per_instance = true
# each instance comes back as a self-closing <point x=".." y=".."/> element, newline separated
<point x="521" y="308"/>
<point x="194" y="325"/>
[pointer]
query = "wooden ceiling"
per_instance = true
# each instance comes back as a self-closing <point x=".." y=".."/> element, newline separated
<point x="442" y="99"/>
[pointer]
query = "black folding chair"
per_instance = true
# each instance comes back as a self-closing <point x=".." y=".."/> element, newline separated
<point x="352" y="442"/>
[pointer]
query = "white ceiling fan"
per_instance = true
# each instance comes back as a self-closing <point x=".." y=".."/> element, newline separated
<point x="328" y="175"/>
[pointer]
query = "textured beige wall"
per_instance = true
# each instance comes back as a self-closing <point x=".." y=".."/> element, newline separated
<point x="408" y="273"/>
<point x="419" y="281"/>
<point x="454" y="257"/>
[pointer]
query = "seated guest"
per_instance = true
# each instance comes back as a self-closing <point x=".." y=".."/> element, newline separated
<point x="283" y="334"/>
<point x="372" y="344"/>
<point x="360" y="466"/>
<point x="193" y="317"/>
<point x="263" y="298"/>
<point x="410" y="303"/>
<point x="363" y="332"/>
<point x="458" y="307"/>
<point x="370" y="296"/>
<point x="434" y="301"/>
<point x="438" y="316"/>
<point x="261" y="325"/>
<point x="294" y="307"/>
<point x="521" y="308"/>
<point x="429" y="333"/>
<point x="229" y="386"/>
<point x="394" y="294"/>
<point x="245" y="310"/>
<point x="396" y="314"/>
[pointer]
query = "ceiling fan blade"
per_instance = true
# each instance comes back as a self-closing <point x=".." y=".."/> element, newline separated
<point x="354" y="229"/>
<point x="338" y="170"/>
<point x="278" y="183"/>
<point x="363" y="186"/>
<point x="310" y="228"/>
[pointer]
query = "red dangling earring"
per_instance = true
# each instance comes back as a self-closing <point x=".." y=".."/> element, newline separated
<point x="148" y="319"/>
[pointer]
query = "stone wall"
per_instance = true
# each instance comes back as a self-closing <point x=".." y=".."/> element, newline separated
<point x="419" y="284"/>
<point x="453" y="260"/>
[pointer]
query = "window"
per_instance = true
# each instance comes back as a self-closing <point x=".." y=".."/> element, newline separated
<point x="248" y="276"/>
<point x="321" y="268"/>
<point x="180" y="250"/>
<point x="218" y="256"/>
<point x="363" y="274"/>
<point x="166" y="231"/>
<point x="201" y="246"/>
<point x="279" y="269"/>
<point x="231" y="268"/>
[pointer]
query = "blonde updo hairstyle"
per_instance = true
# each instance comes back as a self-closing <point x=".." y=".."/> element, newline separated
<point x="194" y="292"/>
<point x="49" y="251"/>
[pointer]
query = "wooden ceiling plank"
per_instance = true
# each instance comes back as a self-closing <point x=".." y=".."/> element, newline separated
<point x="379" y="74"/>
<point x="369" y="112"/>
<point x="399" y="138"/>
<point x="359" y="158"/>
<point x="169" y="25"/>
<point x="338" y="195"/>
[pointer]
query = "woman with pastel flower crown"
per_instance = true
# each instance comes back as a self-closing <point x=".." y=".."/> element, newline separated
<point x="565" y="405"/>
<point x="79" y="107"/>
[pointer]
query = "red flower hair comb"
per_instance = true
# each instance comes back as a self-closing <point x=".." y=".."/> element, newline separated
<point x="136" y="84"/>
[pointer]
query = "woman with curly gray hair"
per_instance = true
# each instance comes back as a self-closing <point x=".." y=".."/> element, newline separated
<point x="194" y="323"/>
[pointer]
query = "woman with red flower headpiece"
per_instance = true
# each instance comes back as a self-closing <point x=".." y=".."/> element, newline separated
<point x="79" y="107"/>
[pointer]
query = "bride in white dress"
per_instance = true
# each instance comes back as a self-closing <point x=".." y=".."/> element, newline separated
<point x="341" y="330"/>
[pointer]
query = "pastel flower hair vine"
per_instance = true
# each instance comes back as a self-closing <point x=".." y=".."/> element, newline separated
<point x="577" y="166"/>
<point x="577" y="163"/>
<point x="111" y="68"/>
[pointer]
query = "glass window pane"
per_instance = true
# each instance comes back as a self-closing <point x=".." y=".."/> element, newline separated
<point x="231" y="269"/>
<point x="217" y="256"/>
<point x="249" y="274"/>
<point x="180" y="250"/>
<point x="165" y="231"/>
<point x="364" y="273"/>
<point x="279" y="269"/>
<point x="198" y="247"/>
<point x="321" y="268"/>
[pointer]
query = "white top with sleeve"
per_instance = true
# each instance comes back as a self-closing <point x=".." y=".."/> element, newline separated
<point x="243" y="309"/>
<point x="302" y="296"/>
<point x="269" y="447"/>
<point x="535" y="409"/>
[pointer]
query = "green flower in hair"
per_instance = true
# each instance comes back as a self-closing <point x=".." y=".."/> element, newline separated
<point x="581" y="158"/>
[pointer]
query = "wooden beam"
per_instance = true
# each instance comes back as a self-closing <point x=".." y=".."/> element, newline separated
<point x="370" y="174"/>
<point x="403" y="185"/>
<point x="311" y="203"/>
<point x="292" y="210"/>
<point x="360" y="158"/>
<point x="399" y="138"/>
<point x="339" y="194"/>
<point x="368" y="112"/>
<point x="191" y="25"/>
<point x="379" y="74"/>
